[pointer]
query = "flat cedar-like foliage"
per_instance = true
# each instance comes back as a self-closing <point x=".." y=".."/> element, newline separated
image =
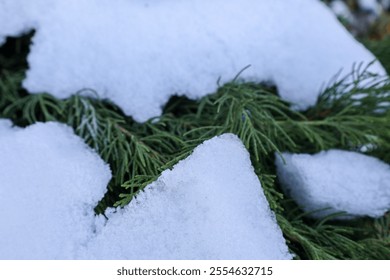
<point x="347" y="116"/>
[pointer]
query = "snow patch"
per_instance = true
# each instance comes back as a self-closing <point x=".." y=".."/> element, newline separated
<point x="209" y="206"/>
<point x="139" y="53"/>
<point x="340" y="181"/>
<point x="50" y="182"/>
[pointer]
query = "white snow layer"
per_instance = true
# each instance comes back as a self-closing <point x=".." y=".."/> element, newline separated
<point x="50" y="181"/>
<point x="209" y="206"/>
<point x="340" y="181"/>
<point x="139" y="53"/>
<point x="20" y="16"/>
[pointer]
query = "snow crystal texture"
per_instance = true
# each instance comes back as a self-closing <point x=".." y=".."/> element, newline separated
<point x="50" y="181"/>
<point x="139" y="53"/>
<point x="209" y="206"/>
<point x="336" y="181"/>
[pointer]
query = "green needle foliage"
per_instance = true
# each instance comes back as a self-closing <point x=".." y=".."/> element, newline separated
<point x="351" y="113"/>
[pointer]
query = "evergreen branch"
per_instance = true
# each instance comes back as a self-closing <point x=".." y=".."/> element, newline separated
<point x="352" y="112"/>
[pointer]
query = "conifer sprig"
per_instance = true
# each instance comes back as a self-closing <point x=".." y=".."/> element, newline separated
<point x="351" y="113"/>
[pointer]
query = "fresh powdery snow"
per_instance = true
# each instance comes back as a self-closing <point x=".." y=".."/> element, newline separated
<point x="338" y="181"/>
<point x="139" y="53"/>
<point x="50" y="181"/>
<point x="209" y="206"/>
<point x="20" y="16"/>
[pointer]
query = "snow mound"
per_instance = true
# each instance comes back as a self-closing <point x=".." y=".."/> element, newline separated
<point x="20" y="16"/>
<point x="139" y="53"/>
<point x="336" y="181"/>
<point x="50" y="181"/>
<point x="209" y="206"/>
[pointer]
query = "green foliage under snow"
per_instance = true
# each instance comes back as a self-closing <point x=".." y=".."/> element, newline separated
<point x="138" y="153"/>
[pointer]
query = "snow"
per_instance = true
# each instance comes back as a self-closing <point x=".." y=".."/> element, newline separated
<point x="20" y="16"/>
<point x="50" y="181"/>
<point x="5" y="125"/>
<point x="336" y="181"/>
<point x="209" y="206"/>
<point x="139" y="53"/>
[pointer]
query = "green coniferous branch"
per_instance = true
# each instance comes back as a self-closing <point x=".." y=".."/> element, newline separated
<point x="347" y="116"/>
